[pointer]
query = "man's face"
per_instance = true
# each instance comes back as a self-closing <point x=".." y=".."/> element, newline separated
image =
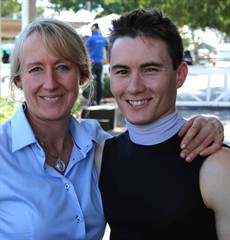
<point x="143" y="80"/>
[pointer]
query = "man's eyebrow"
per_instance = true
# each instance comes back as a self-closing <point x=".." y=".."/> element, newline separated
<point x="119" y="66"/>
<point x="149" y="64"/>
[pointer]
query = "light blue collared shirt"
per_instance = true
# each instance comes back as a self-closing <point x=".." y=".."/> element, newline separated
<point x="37" y="202"/>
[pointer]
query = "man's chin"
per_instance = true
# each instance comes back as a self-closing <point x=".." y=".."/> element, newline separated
<point x="138" y="121"/>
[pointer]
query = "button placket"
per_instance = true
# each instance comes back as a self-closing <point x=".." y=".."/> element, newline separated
<point x="78" y="219"/>
<point x="67" y="186"/>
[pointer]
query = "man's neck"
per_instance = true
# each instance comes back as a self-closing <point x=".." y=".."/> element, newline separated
<point x="156" y="132"/>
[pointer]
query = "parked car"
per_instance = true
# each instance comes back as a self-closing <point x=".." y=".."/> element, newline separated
<point x="188" y="57"/>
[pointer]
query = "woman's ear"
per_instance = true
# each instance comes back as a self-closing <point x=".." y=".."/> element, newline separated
<point x="182" y="72"/>
<point x="18" y="83"/>
<point x="82" y="81"/>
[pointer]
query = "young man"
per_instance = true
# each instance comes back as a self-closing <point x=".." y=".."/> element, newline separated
<point x="148" y="191"/>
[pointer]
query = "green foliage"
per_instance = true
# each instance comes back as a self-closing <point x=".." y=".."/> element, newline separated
<point x="9" y="7"/>
<point x="75" y="5"/>
<point x="7" y="108"/>
<point x="76" y="107"/>
<point x="107" y="92"/>
<point x="194" y="13"/>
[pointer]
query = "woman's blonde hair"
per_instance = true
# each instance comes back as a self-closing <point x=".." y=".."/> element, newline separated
<point x="59" y="38"/>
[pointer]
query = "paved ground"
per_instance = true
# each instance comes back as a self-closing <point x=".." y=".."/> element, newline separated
<point x="222" y="113"/>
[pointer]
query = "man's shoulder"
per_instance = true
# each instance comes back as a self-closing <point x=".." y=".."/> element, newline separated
<point x="220" y="158"/>
<point x="215" y="171"/>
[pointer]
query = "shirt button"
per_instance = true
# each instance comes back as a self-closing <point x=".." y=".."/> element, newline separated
<point x="78" y="219"/>
<point x="67" y="186"/>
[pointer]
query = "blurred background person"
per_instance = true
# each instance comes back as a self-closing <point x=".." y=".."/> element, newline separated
<point x="5" y="57"/>
<point x="96" y="44"/>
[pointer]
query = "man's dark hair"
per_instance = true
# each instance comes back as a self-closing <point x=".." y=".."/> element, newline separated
<point x="149" y="23"/>
<point x="95" y="26"/>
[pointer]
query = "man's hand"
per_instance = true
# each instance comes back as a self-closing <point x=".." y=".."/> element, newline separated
<point x="202" y="136"/>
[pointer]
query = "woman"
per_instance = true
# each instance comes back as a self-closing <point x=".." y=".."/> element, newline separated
<point x="53" y="191"/>
<point x="49" y="186"/>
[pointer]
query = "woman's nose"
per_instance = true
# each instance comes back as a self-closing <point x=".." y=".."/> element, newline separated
<point x="50" y="80"/>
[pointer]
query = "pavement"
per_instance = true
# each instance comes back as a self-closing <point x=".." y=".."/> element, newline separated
<point x="221" y="113"/>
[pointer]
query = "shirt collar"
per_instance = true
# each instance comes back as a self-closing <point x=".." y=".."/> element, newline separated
<point x="96" y="33"/>
<point x="81" y="136"/>
<point x="22" y="133"/>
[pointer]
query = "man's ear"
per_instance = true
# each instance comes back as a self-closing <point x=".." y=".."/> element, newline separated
<point x="182" y="72"/>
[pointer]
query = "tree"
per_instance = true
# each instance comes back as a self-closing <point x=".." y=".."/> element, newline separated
<point x="75" y="5"/>
<point x="9" y="7"/>
<point x="194" y="13"/>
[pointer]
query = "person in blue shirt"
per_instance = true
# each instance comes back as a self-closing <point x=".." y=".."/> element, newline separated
<point x="48" y="180"/>
<point x="48" y="185"/>
<point x="96" y="45"/>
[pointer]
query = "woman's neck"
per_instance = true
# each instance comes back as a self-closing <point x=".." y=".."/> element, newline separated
<point x="49" y="131"/>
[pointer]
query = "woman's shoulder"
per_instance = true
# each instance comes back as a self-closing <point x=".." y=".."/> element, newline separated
<point x="94" y="129"/>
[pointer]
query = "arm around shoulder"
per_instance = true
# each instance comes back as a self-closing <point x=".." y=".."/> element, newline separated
<point x="215" y="189"/>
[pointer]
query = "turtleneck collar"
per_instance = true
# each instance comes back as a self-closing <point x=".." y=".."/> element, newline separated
<point x="156" y="132"/>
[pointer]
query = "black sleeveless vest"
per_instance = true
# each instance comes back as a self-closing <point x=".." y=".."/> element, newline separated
<point x="149" y="192"/>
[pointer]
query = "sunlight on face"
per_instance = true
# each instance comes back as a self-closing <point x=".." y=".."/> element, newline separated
<point x="50" y="83"/>
<point x="142" y="79"/>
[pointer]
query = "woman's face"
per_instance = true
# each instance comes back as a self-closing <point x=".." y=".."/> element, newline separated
<point x="50" y="83"/>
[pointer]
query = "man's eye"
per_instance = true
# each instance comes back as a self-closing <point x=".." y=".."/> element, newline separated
<point x="122" y="72"/>
<point x="152" y="70"/>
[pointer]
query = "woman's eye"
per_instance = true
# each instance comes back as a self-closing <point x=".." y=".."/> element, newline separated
<point x="35" y="69"/>
<point x="63" y="67"/>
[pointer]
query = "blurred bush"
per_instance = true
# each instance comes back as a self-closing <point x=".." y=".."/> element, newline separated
<point x="9" y="106"/>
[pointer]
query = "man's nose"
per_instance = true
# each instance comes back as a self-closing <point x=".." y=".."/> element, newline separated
<point x="135" y="83"/>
